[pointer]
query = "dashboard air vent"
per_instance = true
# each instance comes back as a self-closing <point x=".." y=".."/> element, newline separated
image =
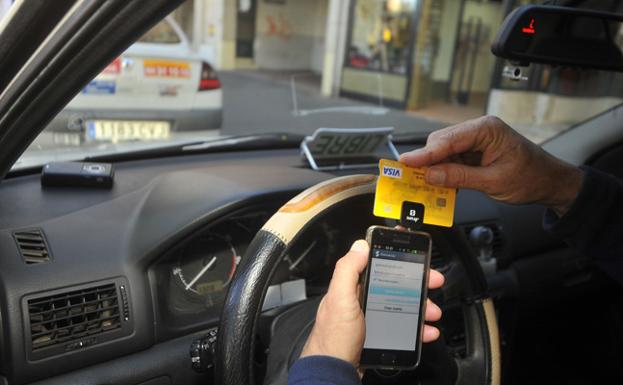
<point x="32" y="246"/>
<point x="73" y="316"/>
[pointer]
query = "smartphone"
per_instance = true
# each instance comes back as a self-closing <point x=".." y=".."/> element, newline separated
<point x="394" y="297"/>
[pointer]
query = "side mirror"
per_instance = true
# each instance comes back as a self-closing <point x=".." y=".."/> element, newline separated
<point x="561" y="36"/>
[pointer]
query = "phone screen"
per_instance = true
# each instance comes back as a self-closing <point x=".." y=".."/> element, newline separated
<point x="394" y="293"/>
<point x="395" y="289"/>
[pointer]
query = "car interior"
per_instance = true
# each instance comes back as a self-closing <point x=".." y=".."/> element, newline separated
<point x="189" y="269"/>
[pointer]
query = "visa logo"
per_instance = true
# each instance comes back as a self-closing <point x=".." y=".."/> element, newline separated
<point x="392" y="172"/>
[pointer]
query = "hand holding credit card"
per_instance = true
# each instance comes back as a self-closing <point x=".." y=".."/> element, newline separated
<point x="399" y="183"/>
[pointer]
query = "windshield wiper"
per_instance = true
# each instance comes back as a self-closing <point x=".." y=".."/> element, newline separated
<point x="246" y="142"/>
<point x="231" y="143"/>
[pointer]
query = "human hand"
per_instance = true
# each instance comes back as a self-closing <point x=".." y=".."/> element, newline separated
<point x="339" y="330"/>
<point x="486" y="154"/>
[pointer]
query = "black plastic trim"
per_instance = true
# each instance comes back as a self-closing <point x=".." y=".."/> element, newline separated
<point x="168" y="360"/>
<point x="25" y="32"/>
<point x="86" y="343"/>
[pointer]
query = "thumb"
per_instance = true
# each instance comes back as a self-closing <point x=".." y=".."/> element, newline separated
<point x="456" y="175"/>
<point x="347" y="269"/>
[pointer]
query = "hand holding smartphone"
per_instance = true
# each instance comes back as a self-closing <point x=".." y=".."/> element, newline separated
<point x="394" y="297"/>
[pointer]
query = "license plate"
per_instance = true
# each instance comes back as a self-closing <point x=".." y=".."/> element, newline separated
<point x="66" y="138"/>
<point x="126" y="130"/>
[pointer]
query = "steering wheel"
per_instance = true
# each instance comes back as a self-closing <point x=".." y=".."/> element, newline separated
<point x="234" y="354"/>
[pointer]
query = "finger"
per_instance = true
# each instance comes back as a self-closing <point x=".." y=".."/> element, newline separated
<point x="400" y="227"/>
<point x="456" y="175"/>
<point x="445" y="143"/>
<point x="435" y="279"/>
<point x="433" y="312"/>
<point x="347" y="269"/>
<point x="430" y="334"/>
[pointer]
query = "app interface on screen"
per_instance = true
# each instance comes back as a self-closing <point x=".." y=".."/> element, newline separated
<point x="393" y="304"/>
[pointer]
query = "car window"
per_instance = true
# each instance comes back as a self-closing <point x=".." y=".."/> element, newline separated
<point x="162" y="33"/>
<point x="295" y="66"/>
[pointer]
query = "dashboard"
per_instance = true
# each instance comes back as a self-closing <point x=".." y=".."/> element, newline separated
<point x="165" y="242"/>
<point x="192" y="279"/>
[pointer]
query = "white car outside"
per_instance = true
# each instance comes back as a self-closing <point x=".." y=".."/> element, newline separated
<point x="156" y="86"/>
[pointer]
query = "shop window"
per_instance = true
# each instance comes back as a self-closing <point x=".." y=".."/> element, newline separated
<point x="380" y="35"/>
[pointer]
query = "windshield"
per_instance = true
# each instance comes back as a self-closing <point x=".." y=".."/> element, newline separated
<point x="251" y="67"/>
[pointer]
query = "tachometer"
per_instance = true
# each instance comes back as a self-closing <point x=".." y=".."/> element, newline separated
<point x="206" y="267"/>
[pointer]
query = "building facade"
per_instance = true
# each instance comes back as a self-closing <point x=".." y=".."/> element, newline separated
<point x="431" y="57"/>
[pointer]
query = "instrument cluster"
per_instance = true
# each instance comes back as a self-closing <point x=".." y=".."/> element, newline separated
<point x="191" y="280"/>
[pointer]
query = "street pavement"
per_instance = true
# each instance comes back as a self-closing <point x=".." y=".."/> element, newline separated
<point x="257" y="102"/>
<point x="254" y="102"/>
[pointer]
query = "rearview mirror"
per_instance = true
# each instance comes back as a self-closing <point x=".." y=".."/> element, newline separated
<point x="561" y="36"/>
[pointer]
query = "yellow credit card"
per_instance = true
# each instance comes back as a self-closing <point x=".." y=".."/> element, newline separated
<point x="398" y="183"/>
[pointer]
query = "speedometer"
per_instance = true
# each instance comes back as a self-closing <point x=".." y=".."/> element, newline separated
<point x="206" y="267"/>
